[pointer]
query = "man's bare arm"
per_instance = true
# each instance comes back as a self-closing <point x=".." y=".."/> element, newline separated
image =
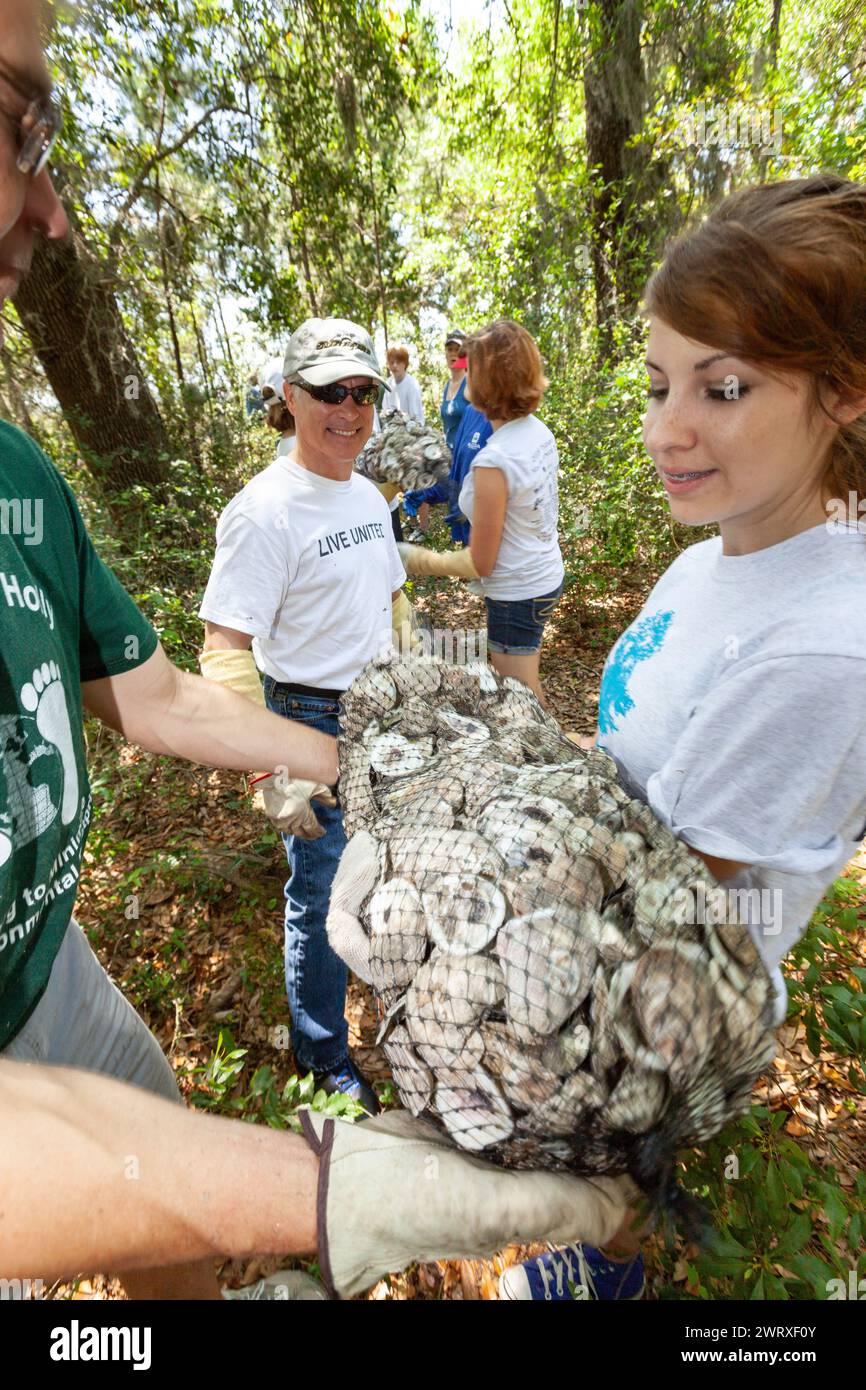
<point x="170" y="711"/>
<point x="95" y="1174"/>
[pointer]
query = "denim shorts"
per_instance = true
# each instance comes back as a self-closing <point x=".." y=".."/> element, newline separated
<point x="515" y="626"/>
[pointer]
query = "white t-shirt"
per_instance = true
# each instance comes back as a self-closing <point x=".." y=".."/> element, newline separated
<point x="404" y="395"/>
<point x="735" y="705"/>
<point x="285" y="446"/>
<point x="306" y="565"/>
<point x="529" y="563"/>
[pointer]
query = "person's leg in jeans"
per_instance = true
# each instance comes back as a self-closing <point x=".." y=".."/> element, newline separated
<point x="316" y="977"/>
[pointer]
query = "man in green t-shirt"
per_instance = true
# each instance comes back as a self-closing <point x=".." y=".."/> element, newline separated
<point x="71" y="639"/>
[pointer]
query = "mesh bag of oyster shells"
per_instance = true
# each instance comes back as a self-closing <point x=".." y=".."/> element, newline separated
<point x="547" y="990"/>
<point x="405" y="452"/>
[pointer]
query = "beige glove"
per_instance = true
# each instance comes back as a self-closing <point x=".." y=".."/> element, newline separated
<point x="417" y="559"/>
<point x="388" y="490"/>
<point x="284" y="802"/>
<point x="404" y="626"/>
<point x="393" y="1190"/>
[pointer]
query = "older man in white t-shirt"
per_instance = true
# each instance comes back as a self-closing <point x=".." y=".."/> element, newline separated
<point x="305" y="572"/>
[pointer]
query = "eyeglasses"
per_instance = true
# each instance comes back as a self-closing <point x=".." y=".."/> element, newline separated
<point x="38" y="127"/>
<point x="335" y="394"/>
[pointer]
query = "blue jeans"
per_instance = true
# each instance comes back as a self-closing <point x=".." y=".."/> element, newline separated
<point x="315" y="977"/>
<point x="516" y="626"/>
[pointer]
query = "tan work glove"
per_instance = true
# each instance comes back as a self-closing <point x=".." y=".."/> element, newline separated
<point x="388" y="490"/>
<point x="417" y="559"/>
<point x="286" y="803"/>
<point x="394" y="1190"/>
<point x="404" y="626"/>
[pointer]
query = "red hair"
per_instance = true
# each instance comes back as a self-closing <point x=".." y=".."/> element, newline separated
<point x="776" y="274"/>
<point x="505" y="371"/>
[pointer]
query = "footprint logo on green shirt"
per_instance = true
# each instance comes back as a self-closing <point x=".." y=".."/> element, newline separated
<point x="39" y="760"/>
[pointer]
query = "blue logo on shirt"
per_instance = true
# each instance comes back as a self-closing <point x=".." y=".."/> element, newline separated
<point x="636" y="644"/>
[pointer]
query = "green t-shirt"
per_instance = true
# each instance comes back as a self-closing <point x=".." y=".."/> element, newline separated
<point x="64" y="619"/>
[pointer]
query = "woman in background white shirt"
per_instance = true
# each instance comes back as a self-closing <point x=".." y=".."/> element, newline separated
<point x="278" y="415"/>
<point x="511" y="498"/>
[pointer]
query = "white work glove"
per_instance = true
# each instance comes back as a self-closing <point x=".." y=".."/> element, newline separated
<point x="284" y="802"/>
<point x="356" y="875"/>
<point x="393" y="1190"/>
<point x="417" y="559"/>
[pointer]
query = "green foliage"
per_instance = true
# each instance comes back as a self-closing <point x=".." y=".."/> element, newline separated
<point x="264" y="1101"/>
<point x="784" y="1227"/>
<point x="833" y="1006"/>
<point x="613" y="508"/>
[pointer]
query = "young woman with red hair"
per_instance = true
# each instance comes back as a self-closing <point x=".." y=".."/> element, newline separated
<point x="735" y="703"/>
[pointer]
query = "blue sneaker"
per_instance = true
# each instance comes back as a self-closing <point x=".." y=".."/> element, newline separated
<point x="575" y="1272"/>
<point x="349" y="1082"/>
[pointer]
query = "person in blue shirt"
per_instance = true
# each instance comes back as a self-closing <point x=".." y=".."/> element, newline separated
<point x="452" y="410"/>
<point x="454" y="400"/>
<point x="474" y="431"/>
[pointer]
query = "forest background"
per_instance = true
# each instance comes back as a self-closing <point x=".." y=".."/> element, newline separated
<point x="231" y="167"/>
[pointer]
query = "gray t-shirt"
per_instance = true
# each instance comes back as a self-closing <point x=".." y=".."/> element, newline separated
<point x="735" y="705"/>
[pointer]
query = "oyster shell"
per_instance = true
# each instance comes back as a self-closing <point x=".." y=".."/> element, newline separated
<point x="446" y="1047"/>
<point x="462" y="725"/>
<point x="524" y="830"/>
<point x="424" y="857"/>
<point x="413" y="1077"/>
<point x="548" y="972"/>
<point x="568" y="1107"/>
<point x="636" y="1102"/>
<point x="398" y="939"/>
<point x="477" y="979"/>
<point x="419" y="676"/>
<point x="417" y="717"/>
<point x="568" y="1049"/>
<point x="356" y="795"/>
<point x="464" y="912"/>
<point x="392" y="755"/>
<point x="673" y="1006"/>
<point x="571" y="882"/>
<point x="521" y="1072"/>
<point x="477" y="1115"/>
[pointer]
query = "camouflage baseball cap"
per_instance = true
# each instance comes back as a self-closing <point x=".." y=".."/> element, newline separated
<point x="325" y="350"/>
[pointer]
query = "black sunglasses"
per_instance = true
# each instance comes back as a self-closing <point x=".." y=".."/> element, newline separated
<point x="335" y="394"/>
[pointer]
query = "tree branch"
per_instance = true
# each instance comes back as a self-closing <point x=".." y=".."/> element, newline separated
<point x="159" y="155"/>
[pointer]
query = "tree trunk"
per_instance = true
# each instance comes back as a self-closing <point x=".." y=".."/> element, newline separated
<point x="613" y="100"/>
<point x="69" y="311"/>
